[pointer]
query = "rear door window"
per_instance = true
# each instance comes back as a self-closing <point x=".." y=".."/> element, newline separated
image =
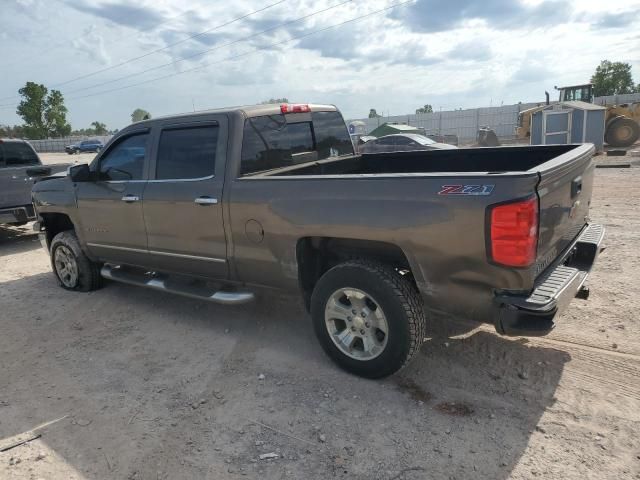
<point x="187" y="153"/>
<point x="271" y="142"/>
<point x="17" y="154"/>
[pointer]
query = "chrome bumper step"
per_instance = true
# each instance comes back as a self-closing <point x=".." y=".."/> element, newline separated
<point x="193" y="289"/>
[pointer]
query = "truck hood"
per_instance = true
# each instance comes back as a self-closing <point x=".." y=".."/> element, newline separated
<point x="52" y="183"/>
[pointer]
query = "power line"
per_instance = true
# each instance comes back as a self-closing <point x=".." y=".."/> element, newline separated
<point x="204" y="52"/>
<point x="233" y="57"/>
<point x="120" y="39"/>
<point x="199" y="34"/>
<point x="191" y="37"/>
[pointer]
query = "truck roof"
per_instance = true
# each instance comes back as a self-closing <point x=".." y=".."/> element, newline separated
<point x="247" y="110"/>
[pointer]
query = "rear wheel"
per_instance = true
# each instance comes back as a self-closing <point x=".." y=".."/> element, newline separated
<point x="622" y="132"/>
<point x="71" y="266"/>
<point x="368" y="318"/>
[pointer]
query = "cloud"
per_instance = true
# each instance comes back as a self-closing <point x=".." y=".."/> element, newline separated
<point x="472" y="50"/>
<point x="530" y="72"/>
<point x="615" y="20"/>
<point x="92" y="44"/>
<point x="125" y="14"/>
<point x="348" y="45"/>
<point x="442" y="15"/>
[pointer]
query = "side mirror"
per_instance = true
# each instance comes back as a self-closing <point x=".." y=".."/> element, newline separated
<point x="79" y="173"/>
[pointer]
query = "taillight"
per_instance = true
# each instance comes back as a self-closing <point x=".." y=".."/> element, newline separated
<point x="294" y="108"/>
<point x="514" y="233"/>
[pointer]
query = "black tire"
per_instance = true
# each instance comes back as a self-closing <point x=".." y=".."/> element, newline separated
<point x="622" y="132"/>
<point x="400" y="302"/>
<point x="88" y="272"/>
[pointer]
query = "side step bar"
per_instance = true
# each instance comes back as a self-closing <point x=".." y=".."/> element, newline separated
<point x="163" y="283"/>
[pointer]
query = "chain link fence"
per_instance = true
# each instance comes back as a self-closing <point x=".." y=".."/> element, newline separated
<point x="52" y="145"/>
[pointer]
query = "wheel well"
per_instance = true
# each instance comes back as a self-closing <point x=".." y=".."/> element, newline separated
<point x="316" y="255"/>
<point x="55" y="223"/>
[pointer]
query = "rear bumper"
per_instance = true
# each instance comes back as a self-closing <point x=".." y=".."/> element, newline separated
<point x="21" y="214"/>
<point x="533" y="314"/>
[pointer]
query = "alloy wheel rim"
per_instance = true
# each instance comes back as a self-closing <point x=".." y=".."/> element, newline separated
<point x="66" y="266"/>
<point x="356" y="323"/>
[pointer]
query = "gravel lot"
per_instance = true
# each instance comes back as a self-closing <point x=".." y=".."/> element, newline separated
<point x="136" y="384"/>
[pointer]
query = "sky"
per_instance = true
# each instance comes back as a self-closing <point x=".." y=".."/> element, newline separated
<point x="167" y="56"/>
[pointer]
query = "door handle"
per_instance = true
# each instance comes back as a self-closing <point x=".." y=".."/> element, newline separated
<point x="206" y="200"/>
<point x="130" y="198"/>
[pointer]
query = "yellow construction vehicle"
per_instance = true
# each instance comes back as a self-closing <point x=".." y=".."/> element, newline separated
<point x="622" y="127"/>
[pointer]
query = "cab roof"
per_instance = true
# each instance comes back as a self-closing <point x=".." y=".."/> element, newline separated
<point x="247" y="110"/>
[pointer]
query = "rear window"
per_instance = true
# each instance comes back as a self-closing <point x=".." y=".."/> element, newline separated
<point x="16" y="154"/>
<point x="187" y="153"/>
<point x="271" y="142"/>
<point x="332" y="136"/>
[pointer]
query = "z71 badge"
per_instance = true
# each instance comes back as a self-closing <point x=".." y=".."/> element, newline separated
<point x="466" y="190"/>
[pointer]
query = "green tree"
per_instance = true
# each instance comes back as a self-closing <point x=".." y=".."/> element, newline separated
<point x="43" y="112"/>
<point x="373" y="113"/>
<point x="275" y="100"/>
<point x="99" y="128"/>
<point x="426" y="109"/>
<point x="612" y="78"/>
<point x="7" y="131"/>
<point x="32" y="108"/>
<point x="140" y="114"/>
<point x="56" y="115"/>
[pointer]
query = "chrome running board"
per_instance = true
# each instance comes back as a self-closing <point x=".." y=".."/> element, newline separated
<point x="164" y="283"/>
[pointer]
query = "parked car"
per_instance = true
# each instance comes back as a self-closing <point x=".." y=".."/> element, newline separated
<point x="84" y="146"/>
<point x="20" y="166"/>
<point x="402" y="142"/>
<point x="215" y="204"/>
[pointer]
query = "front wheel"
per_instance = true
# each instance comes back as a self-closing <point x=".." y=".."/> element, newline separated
<point x="71" y="266"/>
<point x="368" y="318"/>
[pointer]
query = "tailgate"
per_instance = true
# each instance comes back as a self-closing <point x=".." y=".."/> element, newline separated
<point x="564" y="191"/>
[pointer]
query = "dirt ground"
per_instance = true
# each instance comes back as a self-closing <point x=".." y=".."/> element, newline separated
<point x="135" y="384"/>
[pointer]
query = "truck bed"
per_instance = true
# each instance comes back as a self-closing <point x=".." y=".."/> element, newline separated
<point x="404" y="198"/>
<point x="464" y="160"/>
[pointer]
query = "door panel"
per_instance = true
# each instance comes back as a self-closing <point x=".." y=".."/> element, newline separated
<point x="182" y="204"/>
<point x="16" y="187"/>
<point x="556" y="126"/>
<point x="110" y="207"/>
<point x="113" y="228"/>
<point x="185" y="236"/>
<point x="15" y="158"/>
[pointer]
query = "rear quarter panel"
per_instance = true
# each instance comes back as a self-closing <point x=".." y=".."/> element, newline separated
<point x="443" y="236"/>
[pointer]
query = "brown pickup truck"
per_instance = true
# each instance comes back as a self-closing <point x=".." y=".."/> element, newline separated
<point x="215" y="204"/>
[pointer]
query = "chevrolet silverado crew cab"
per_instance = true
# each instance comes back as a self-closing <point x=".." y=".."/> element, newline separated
<point x="20" y="167"/>
<point x="215" y="204"/>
